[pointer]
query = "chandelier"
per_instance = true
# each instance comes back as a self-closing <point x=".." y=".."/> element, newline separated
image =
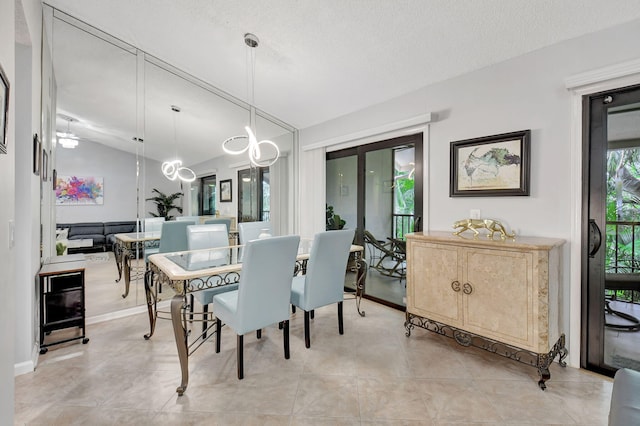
<point x="249" y="143"/>
<point x="174" y="169"/>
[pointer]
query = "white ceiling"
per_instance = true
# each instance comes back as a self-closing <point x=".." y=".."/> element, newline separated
<point x="320" y="59"/>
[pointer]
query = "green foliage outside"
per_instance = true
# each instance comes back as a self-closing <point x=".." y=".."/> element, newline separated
<point x="622" y="205"/>
<point x="403" y="199"/>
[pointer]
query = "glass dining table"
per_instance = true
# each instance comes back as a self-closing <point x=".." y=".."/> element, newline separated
<point x="130" y="246"/>
<point x="197" y="270"/>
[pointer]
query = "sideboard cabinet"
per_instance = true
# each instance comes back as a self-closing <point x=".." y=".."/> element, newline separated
<point x="502" y="296"/>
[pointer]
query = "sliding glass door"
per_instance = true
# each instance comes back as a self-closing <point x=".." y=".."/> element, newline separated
<point x="377" y="189"/>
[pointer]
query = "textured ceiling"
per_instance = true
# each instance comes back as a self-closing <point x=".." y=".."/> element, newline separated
<point x="318" y="60"/>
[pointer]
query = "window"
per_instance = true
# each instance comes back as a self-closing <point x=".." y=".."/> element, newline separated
<point x="254" y="194"/>
<point x="207" y="196"/>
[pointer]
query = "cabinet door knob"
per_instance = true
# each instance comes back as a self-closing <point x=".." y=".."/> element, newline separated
<point x="455" y="285"/>
<point x="467" y="288"/>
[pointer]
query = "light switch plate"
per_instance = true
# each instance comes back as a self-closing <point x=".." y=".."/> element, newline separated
<point x="474" y="213"/>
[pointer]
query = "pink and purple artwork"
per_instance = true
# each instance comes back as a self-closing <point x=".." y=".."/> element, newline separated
<point x="79" y="191"/>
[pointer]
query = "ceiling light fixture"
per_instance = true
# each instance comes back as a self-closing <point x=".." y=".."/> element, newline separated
<point x="67" y="139"/>
<point x="249" y="142"/>
<point x="173" y="169"/>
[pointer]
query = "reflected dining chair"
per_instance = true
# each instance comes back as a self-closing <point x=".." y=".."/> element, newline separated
<point x="152" y="225"/>
<point x="208" y="237"/>
<point x="225" y="221"/>
<point x="173" y="238"/>
<point x="323" y="284"/>
<point x="248" y="231"/>
<point x="194" y="219"/>
<point x="263" y="293"/>
<point x="251" y="230"/>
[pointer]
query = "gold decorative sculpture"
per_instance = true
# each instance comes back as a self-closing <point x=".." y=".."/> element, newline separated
<point x="490" y="225"/>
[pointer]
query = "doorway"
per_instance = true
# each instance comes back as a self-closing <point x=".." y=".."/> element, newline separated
<point x="611" y="231"/>
<point x="377" y="189"/>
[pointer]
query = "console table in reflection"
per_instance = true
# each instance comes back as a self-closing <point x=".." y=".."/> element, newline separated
<point x="190" y="271"/>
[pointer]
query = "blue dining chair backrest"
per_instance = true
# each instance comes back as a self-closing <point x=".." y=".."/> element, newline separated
<point x="209" y="236"/>
<point x="194" y="219"/>
<point x="153" y="224"/>
<point x="251" y="230"/>
<point x="174" y="236"/>
<point x="225" y="221"/>
<point x="324" y="280"/>
<point x="265" y="284"/>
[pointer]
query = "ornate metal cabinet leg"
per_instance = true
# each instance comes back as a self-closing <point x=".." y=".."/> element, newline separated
<point x="178" y="304"/>
<point x="464" y="338"/>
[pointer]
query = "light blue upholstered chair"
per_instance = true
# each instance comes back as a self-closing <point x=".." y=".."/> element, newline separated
<point x="173" y="238"/>
<point x="251" y="230"/>
<point x="264" y="292"/>
<point x="248" y="231"/>
<point x="194" y="219"/>
<point x="152" y="225"/>
<point x="323" y="284"/>
<point x="206" y="237"/>
<point x="225" y="221"/>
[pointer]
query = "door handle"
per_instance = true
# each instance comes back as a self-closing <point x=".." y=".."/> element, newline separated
<point x="595" y="238"/>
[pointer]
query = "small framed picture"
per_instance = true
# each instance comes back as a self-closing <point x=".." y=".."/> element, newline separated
<point x="37" y="149"/>
<point x="225" y="191"/>
<point x="490" y="166"/>
<point x="4" y="110"/>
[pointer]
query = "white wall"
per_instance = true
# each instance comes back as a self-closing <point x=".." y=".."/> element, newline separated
<point x="523" y="93"/>
<point x="7" y="213"/>
<point x="27" y="94"/>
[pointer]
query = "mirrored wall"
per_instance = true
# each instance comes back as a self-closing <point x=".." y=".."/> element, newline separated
<point x="127" y="112"/>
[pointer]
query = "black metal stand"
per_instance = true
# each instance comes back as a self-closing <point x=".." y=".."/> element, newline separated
<point x="62" y="303"/>
<point x="464" y="338"/>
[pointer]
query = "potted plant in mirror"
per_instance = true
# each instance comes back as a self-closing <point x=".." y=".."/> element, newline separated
<point x="165" y="204"/>
<point x="334" y="221"/>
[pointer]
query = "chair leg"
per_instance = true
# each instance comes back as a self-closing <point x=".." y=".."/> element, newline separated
<point x="340" y="322"/>
<point x="259" y="333"/>
<point x="285" y="338"/>
<point x="218" y="330"/>
<point x="313" y="313"/>
<point x="307" y="338"/>
<point x="205" y="317"/>
<point x="240" y="360"/>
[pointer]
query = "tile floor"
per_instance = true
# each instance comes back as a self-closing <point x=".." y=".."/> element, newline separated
<point x="372" y="375"/>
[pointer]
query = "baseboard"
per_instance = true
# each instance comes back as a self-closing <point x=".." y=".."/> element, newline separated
<point x="27" y="366"/>
<point x="124" y="313"/>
